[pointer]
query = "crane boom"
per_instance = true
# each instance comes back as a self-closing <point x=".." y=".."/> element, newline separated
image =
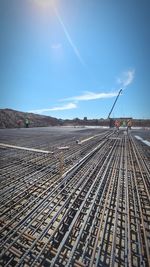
<point x="114" y="103"/>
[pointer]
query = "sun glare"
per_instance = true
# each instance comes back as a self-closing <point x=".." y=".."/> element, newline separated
<point x="44" y="3"/>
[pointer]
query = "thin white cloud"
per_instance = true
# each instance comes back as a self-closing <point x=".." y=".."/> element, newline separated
<point x="64" y="107"/>
<point x="90" y="96"/>
<point x="126" y="78"/>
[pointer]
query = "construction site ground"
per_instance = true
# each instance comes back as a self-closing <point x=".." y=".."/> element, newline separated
<point x="74" y="196"/>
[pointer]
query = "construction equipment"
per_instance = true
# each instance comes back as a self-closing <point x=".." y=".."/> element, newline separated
<point x="113" y="108"/>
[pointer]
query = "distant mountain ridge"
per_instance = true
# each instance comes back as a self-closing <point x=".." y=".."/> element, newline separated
<point x="10" y="118"/>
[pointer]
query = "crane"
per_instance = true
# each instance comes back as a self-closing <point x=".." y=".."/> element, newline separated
<point x="114" y="106"/>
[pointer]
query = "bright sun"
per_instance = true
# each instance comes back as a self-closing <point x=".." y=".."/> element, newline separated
<point x="44" y="3"/>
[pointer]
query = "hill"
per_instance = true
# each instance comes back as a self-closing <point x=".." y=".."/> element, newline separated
<point x="12" y="119"/>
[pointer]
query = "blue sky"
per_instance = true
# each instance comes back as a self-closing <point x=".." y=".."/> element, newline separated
<point x="69" y="58"/>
